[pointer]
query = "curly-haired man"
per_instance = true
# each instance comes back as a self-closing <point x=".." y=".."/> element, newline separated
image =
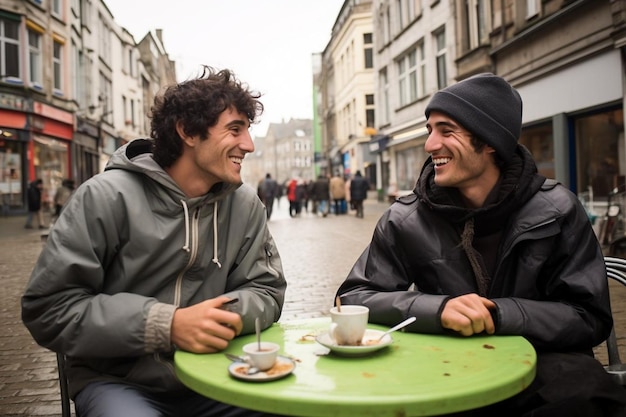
<point x="145" y="253"/>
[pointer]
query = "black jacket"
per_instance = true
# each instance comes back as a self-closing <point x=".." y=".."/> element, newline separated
<point x="548" y="282"/>
<point x="358" y="188"/>
<point x="33" y="196"/>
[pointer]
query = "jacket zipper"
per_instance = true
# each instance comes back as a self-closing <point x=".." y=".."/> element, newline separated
<point x="193" y="252"/>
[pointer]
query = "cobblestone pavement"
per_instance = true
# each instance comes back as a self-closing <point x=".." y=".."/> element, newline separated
<point x="317" y="254"/>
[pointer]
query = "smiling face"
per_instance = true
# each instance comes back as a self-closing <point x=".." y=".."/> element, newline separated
<point x="457" y="162"/>
<point x="218" y="158"/>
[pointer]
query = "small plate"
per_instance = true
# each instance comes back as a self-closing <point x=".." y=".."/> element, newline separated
<point x="365" y="348"/>
<point x="283" y="367"/>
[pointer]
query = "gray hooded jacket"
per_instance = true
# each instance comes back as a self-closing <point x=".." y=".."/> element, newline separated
<point x="128" y="249"/>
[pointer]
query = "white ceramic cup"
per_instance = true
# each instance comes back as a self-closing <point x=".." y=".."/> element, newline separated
<point x="349" y="325"/>
<point x="263" y="359"/>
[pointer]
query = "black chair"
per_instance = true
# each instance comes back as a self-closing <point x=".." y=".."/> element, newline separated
<point x="615" y="269"/>
<point x="63" y="386"/>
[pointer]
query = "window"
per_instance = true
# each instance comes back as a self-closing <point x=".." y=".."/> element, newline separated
<point x="105" y="39"/>
<point x="105" y="98"/>
<point x="400" y="15"/>
<point x="476" y="23"/>
<point x="406" y="12"/>
<point x="132" y="112"/>
<point x="383" y="88"/>
<point x="35" y="71"/>
<point x="57" y="66"/>
<point x="131" y="63"/>
<point x="9" y="49"/>
<point x="387" y="26"/>
<point x="56" y="8"/>
<point x="85" y="13"/>
<point x="440" y="53"/>
<point x="408" y="75"/>
<point x="369" y="51"/>
<point x="539" y="141"/>
<point x="532" y="8"/>
<point x="600" y="164"/>
<point x="369" y="111"/>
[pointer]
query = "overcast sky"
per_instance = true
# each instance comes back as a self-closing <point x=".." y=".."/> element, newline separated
<point x="267" y="43"/>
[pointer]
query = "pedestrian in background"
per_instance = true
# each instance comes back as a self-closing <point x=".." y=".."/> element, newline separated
<point x="348" y="182"/>
<point x="268" y="190"/>
<point x="62" y="194"/>
<point x="168" y="214"/>
<point x="320" y="193"/>
<point x="33" y="200"/>
<point x="294" y="195"/>
<point x="359" y="186"/>
<point x="486" y="245"/>
<point x="338" y="193"/>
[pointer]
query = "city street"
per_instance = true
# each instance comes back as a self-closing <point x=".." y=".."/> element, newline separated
<point x="317" y="254"/>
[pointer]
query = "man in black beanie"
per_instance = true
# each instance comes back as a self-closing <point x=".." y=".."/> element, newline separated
<point x="492" y="247"/>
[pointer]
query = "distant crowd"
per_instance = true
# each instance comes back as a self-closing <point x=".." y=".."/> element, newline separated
<point x="323" y="196"/>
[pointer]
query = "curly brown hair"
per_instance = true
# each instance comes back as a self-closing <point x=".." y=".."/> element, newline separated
<point x="197" y="104"/>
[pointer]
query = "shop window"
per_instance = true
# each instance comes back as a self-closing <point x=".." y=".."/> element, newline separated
<point x="601" y="164"/>
<point x="11" y="156"/>
<point x="50" y="161"/>
<point x="408" y="165"/>
<point x="539" y="141"/>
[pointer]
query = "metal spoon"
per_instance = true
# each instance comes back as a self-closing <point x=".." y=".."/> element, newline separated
<point x="397" y="327"/>
<point x="257" y="328"/>
<point x="250" y="371"/>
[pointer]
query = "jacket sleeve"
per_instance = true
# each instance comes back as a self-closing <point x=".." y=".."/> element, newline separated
<point x="570" y="309"/>
<point x="63" y="305"/>
<point x="381" y="280"/>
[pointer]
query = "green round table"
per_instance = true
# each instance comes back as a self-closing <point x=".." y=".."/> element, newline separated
<point x="417" y="375"/>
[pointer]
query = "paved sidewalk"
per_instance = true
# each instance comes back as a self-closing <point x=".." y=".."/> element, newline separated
<point x="317" y="254"/>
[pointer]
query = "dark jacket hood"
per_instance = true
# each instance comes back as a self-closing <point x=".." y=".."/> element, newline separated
<point x="519" y="181"/>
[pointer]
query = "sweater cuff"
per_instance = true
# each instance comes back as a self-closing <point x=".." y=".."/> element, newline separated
<point x="158" y="328"/>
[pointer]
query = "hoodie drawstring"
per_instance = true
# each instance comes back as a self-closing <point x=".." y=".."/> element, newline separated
<point x="186" y="210"/>
<point x="186" y="248"/>
<point x="482" y="279"/>
<point x="215" y="260"/>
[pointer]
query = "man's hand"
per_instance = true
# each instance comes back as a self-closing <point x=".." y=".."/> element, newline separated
<point x="204" y="327"/>
<point x="468" y="314"/>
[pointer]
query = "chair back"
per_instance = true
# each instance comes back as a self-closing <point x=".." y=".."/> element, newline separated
<point x="616" y="270"/>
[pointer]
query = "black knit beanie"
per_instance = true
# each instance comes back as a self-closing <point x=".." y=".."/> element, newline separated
<point x="487" y="106"/>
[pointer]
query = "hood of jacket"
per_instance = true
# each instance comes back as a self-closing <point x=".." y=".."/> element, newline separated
<point x="136" y="156"/>
<point x="519" y="181"/>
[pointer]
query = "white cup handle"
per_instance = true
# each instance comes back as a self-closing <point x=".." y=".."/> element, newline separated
<point x="333" y="328"/>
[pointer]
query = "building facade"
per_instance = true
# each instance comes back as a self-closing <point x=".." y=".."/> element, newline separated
<point x="565" y="57"/>
<point x="415" y="52"/>
<point x="346" y="108"/>
<point x="73" y="87"/>
<point x="285" y="152"/>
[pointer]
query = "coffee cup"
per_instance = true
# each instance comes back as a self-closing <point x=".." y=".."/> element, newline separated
<point x="264" y="358"/>
<point x="348" y="325"/>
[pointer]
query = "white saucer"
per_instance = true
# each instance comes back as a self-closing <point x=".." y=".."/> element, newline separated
<point x="283" y="367"/>
<point x="364" y="349"/>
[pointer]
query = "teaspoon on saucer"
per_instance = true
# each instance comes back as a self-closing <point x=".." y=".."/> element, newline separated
<point x="251" y="370"/>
